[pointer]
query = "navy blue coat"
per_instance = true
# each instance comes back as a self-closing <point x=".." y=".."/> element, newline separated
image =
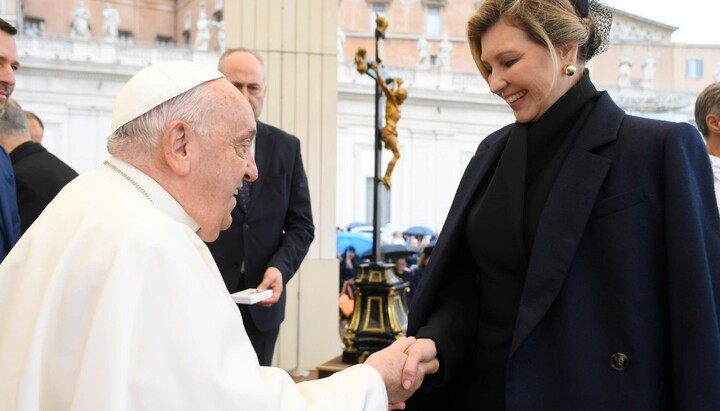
<point x="278" y="227"/>
<point x="9" y="217"/>
<point x="626" y="259"/>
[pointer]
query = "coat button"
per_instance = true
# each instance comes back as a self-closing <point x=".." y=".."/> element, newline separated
<point x="246" y="226"/>
<point x="619" y="361"/>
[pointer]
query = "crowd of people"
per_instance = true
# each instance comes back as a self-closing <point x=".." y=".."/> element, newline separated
<point x="409" y="261"/>
<point x="578" y="267"/>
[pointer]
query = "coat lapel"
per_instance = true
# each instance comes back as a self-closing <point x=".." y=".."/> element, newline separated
<point x="565" y="216"/>
<point x="482" y="163"/>
<point x="477" y="169"/>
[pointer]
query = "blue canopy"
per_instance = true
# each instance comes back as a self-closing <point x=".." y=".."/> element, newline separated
<point x="357" y="224"/>
<point x="361" y="242"/>
<point x="419" y="230"/>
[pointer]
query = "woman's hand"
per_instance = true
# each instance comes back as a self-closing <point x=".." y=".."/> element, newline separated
<point x="422" y="359"/>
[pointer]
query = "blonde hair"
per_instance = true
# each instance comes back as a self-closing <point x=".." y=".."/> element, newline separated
<point x="551" y="23"/>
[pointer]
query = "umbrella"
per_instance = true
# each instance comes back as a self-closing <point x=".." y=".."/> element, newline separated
<point x="394" y="250"/>
<point x="355" y="224"/>
<point x="361" y="242"/>
<point x="419" y="230"/>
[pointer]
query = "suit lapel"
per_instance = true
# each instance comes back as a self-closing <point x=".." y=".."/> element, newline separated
<point x="264" y="148"/>
<point x="565" y="216"/>
<point x="478" y="168"/>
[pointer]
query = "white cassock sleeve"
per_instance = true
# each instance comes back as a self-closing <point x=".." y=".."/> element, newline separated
<point x="110" y="304"/>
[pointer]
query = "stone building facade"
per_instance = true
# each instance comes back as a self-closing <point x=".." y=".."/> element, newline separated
<point x="448" y="113"/>
<point x="449" y="110"/>
<point x="71" y="81"/>
<point x="160" y="22"/>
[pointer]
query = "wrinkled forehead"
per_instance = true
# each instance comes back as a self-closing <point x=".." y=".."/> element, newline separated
<point x="236" y="100"/>
<point x="236" y="109"/>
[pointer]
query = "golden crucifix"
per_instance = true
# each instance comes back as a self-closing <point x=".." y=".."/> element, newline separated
<point x="394" y="97"/>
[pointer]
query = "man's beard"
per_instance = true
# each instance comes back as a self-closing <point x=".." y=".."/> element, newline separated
<point x="8" y="90"/>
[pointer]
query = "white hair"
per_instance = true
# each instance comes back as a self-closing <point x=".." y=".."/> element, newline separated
<point x="141" y="136"/>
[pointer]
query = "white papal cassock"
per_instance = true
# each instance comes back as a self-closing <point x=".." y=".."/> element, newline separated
<point x="111" y="301"/>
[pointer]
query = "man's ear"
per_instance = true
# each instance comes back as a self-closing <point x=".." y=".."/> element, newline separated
<point x="712" y="122"/>
<point x="175" y="147"/>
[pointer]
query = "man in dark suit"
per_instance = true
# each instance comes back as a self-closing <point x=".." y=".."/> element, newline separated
<point x="272" y="225"/>
<point x="39" y="175"/>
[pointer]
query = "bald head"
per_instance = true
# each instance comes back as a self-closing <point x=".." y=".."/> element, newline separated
<point x="245" y="70"/>
<point x="36" y="127"/>
<point x="13" y="126"/>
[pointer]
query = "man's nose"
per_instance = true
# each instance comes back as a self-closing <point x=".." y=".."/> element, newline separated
<point x="251" y="171"/>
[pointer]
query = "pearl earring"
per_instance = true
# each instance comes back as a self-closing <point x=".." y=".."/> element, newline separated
<point x="569" y="70"/>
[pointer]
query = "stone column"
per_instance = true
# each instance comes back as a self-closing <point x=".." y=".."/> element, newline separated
<point x="298" y="42"/>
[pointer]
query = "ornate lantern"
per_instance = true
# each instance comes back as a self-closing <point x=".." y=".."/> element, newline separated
<point x="380" y="314"/>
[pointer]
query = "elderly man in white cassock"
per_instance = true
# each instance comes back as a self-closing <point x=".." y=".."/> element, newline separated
<point x="112" y="301"/>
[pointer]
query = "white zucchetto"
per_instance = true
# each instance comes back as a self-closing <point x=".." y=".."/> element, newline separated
<point x="157" y="84"/>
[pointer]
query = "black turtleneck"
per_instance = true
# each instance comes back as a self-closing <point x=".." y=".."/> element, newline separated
<point x="501" y="226"/>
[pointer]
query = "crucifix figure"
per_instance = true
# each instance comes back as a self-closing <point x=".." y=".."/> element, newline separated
<point x="394" y="97"/>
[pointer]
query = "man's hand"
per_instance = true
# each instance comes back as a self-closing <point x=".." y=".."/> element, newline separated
<point x="271" y="280"/>
<point x="390" y="362"/>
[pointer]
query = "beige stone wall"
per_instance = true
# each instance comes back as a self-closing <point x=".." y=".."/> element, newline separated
<point x="298" y="41"/>
<point x="634" y="37"/>
<point x="146" y="19"/>
<point x="406" y="26"/>
<point x="670" y="74"/>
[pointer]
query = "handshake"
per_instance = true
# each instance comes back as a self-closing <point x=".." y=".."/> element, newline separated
<point x="403" y="366"/>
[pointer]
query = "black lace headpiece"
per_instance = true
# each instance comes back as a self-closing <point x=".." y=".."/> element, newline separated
<point x="603" y="15"/>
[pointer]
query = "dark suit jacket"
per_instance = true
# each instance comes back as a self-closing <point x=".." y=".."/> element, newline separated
<point x="278" y="227"/>
<point x="39" y="176"/>
<point x="626" y="259"/>
<point x="9" y="218"/>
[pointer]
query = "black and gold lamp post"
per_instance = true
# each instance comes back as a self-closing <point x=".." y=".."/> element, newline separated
<point x="380" y="313"/>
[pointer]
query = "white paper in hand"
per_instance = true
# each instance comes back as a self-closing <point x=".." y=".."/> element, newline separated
<point x="250" y="296"/>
